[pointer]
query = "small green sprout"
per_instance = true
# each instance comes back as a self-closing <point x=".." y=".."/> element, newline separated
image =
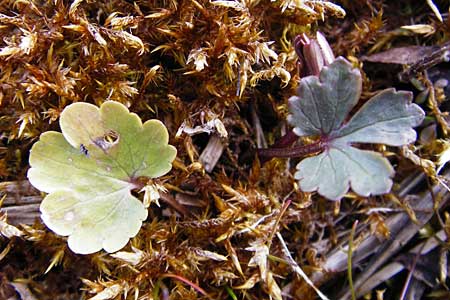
<point x="90" y="169"/>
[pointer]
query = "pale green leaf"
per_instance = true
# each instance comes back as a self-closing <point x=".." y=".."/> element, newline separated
<point x="90" y="169"/>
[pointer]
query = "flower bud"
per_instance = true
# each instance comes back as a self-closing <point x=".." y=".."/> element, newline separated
<point x="313" y="54"/>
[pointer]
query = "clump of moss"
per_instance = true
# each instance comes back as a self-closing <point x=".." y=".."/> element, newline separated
<point x="189" y="64"/>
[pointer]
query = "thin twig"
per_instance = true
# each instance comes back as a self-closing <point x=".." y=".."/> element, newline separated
<point x="296" y="268"/>
<point x="259" y="133"/>
<point x="349" y="260"/>
<point x="435" y="10"/>
<point x="167" y="198"/>
<point x="280" y="215"/>
<point x="413" y="267"/>
<point x="435" y="106"/>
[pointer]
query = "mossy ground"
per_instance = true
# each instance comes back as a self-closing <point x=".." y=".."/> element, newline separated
<point x="189" y="63"/>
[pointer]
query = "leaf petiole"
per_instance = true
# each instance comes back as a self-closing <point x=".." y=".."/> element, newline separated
<point x="296" y="151"/>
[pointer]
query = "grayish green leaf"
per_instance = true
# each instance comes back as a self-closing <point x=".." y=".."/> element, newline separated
<point x="332" y="172"/>
<point x="321" y="108"/>
<point x="387" y="118"/>
<point x="324" y="102"/>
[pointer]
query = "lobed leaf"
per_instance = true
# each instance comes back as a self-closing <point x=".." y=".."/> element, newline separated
<point x="90" y="169"/>
<point x="322" y="106"/>
<point x="323" y="103"/>
<point x="334" y="171"/>
<point x="387" y="118"/>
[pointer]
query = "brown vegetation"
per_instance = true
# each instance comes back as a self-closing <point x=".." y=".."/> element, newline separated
<point x="218" y="74"/>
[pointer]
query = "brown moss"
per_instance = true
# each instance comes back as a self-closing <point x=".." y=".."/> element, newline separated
<point x="184" y="61"/>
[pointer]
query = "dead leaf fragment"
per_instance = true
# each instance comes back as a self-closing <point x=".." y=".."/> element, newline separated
<point x="420" y="29"/>
<point x="133" y="258"/>
<point x="8" y="230"/>
<point x="401" y="55"/>
<point x="108" y="293"/>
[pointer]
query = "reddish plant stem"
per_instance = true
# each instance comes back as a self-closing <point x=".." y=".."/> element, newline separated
<point x="296" y="151"/>
<point x="286" y="140"/>
<point x="188" y="282"/>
